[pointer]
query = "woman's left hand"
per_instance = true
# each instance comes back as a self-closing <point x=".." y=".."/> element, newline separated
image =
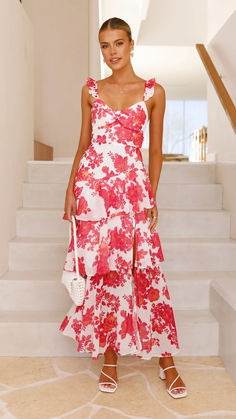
<point x="152" y="213"/>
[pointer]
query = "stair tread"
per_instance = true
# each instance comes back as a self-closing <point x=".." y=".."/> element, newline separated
<point x="182" y="316"/>
<point x="12" y="275"/>
<point x="38" y="240"/>
<point x="197" y="240"/>
<point x="211" y="275"/>
<point x="170" y="275"/>
<point x="165" y="163"/>
<point x="180" y="240"/>
<point x="226" y="289"/>
<point x="163" y="183"/>
<point x="161" y="210"/>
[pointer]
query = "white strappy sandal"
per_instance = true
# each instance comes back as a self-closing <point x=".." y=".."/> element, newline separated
<point x="112" y="386"/>
<point x="170" y="389"/>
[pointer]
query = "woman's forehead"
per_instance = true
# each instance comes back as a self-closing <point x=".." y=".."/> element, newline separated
<point x="112" y="35"/>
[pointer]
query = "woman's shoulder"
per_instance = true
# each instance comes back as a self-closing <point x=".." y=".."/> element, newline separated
<point x="159" y="95"/>
<point x="89" y="85"/>
<point x="158" y="89"/>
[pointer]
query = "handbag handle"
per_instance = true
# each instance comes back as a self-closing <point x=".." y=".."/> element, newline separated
<point x="75" y="245"/>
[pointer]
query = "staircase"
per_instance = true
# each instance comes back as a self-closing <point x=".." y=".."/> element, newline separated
<point x="195" y="236"/>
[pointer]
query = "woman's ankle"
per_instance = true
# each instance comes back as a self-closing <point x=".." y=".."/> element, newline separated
<point x="166" y="361"/>
<point x="110" y="357"/>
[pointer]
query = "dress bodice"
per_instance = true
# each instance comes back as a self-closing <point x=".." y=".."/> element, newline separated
<point x="125" y="126"/>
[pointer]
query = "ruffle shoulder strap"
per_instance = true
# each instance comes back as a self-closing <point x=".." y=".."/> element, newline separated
<point x="149" y="88"/>
<point x="92" y="85"/>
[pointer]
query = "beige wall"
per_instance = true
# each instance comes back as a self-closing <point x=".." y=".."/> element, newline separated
<point x="16" y="117"/>
<point x="61" y="29"/>
<point x="226" y="175"/>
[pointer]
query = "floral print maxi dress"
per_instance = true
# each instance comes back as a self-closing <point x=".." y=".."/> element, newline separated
<point x="130" y="313"/>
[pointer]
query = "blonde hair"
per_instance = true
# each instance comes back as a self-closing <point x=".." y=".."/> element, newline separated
<point x="116" y="23"/>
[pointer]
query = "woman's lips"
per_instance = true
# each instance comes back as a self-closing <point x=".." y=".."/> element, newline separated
<point x="115" y="60"/>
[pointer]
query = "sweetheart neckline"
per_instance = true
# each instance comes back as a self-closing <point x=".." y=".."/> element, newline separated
<point x="123" y="110"/>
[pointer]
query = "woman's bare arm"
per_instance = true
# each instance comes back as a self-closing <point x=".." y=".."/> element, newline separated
<point x="84" y="142"/>
<point x="85" y="134"/>
<point x="155" y="133"/>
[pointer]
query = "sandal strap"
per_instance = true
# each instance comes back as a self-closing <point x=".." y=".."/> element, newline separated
<point x="106" y="382"/>
<point x="109" y="365"/>
<point x="176" y="387"/>
<point x="173" y="382"/>
<point x="172" y="366"/>
<point x="108" y="376"/>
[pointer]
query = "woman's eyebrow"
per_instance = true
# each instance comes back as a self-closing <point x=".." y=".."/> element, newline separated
<point x="104" y="42"/>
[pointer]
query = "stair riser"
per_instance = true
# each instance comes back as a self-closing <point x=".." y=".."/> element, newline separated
<point x="178" y="256"/>
<point x="45" y="339"/>
<point x="55" y="172"/>
<point x="51" y="294"/>
<point x="199" y="256"/>
<point x="187" y="173"/>
<point x="49" y="223"/>
<point x="49" y="172"/>
<point x="188" y="224"/>
<point x="29" y="256"/>
<point x="180" y="196"/>
<point x="169" y="196"/>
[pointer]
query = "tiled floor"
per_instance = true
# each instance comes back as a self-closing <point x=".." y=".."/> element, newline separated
<point x="40" y="388"/>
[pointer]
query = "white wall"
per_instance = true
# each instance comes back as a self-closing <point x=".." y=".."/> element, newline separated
<point x="221" y="136"/>
<point x="16" y="116"/>
<point x="226" y="175"/>
<point x="174" y="23"/>
<point x="61" y="30"/>
<point x="218" y="11"/>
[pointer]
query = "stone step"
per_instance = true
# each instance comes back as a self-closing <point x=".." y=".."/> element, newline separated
<point x="36" y="333"/>
<point x="183" y="172"/>
<point x="169" y="196"/>
<point x="180" y="254"/>
<point x="223" y="307"/>
<point x="199" y="254"/>
<point x="187" y="172"/>
<point x="172" y="223"/>
<point x="42" y="290"/>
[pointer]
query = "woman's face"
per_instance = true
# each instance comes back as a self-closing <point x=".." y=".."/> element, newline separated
<point x="115" y="47"/>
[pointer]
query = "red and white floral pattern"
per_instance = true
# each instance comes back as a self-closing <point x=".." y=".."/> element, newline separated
<point x="131" y="314"/>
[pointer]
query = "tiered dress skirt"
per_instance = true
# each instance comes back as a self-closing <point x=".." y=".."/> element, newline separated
<point x="129" y="312"/>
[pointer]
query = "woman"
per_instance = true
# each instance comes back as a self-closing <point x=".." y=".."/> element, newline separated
<point x="127" y="307"/>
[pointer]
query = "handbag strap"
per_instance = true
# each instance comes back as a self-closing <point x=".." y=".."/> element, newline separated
<point x="75" y="244"/>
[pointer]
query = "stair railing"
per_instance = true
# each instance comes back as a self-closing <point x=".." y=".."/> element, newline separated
<point x="219" y="86"/>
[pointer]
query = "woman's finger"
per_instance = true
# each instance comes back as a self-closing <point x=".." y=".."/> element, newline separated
<point x="148" y="212"/>
<point x="68" y="215"/>
<point x="74" y="208"/>
<point x="154" y="218"/>
<point x="153" y="223"/>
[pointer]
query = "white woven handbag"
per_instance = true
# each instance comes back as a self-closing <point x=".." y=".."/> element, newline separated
<point x="73" y="281"/>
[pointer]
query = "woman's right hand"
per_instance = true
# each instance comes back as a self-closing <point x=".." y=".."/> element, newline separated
<point x="70" y="204"/>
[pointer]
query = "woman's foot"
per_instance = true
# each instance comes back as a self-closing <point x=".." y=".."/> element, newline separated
<point x="110" y="357"/>
<point x="171" y="374"/>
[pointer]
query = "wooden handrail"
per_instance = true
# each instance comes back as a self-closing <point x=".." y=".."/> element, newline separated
<point x="219" y="86"/>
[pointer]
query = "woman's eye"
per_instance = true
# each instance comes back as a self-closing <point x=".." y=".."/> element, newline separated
<point x="120" y="43"/>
